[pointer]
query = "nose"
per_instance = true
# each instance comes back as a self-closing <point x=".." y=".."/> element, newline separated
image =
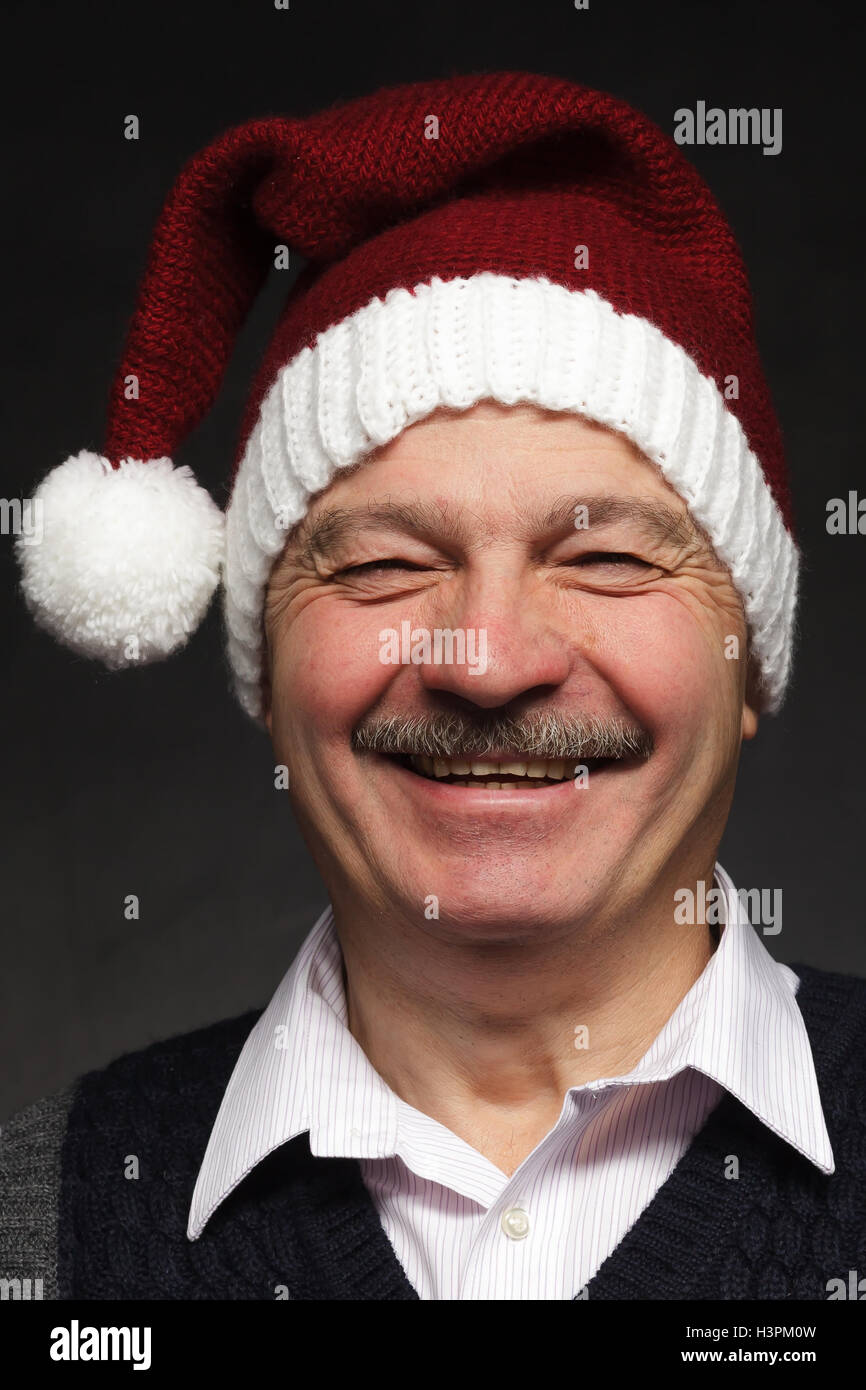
<point x="511" y="640"/>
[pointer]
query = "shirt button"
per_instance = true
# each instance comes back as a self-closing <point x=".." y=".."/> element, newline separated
<point x="515" y="1223"/>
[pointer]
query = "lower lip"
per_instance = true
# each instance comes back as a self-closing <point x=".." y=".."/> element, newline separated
<point x="449" y="797"/>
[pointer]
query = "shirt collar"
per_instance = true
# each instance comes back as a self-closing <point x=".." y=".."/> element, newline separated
<point x="301" y="1069"/>
<point x="740" y="1024"/>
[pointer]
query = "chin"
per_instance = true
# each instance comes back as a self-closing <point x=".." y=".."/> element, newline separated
<point x="485" y="914"/>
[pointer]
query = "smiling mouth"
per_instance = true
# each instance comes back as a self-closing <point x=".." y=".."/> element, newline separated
<point x="498" y="774"/>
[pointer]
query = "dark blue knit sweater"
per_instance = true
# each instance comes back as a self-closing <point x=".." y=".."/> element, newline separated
<point x="307" y="1225"/>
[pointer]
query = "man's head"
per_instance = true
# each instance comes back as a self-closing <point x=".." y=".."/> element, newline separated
<point x="610" y="626"/>
<point x="539" y="243"/>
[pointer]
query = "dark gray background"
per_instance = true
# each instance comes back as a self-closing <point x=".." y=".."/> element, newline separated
<point x="153" y="782"/>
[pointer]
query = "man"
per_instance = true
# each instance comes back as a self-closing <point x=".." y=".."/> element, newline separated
<point x="509" y="576"/>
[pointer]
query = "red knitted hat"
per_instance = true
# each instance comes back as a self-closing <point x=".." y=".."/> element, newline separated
<point x="508" y="236"/>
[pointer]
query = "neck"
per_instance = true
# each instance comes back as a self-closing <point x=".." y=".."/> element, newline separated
<point x="487" y="1037"/>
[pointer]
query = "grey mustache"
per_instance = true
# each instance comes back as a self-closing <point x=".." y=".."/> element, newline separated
<point x="551" y="736"/>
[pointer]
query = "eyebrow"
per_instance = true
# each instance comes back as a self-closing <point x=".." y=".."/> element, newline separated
<point x="334" y="526"/>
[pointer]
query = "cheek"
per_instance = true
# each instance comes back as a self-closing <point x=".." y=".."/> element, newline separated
<point x="668" y="663"/>
<point x="326" y="664"/>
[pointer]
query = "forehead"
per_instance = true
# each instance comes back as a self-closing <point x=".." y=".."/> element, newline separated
<point x="493" y="445"/>
<point x="512" y="468"/>
<point x="512" y="429"/>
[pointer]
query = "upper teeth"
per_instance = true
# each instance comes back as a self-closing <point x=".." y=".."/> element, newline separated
<point x="485" y="767"/>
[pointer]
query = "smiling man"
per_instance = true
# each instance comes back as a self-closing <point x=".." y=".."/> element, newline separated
<point x="522" y="802"/>
<point x="513" y="405"/>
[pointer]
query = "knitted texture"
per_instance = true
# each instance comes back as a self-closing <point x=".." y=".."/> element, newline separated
<point x="30" y="1153"/>
<point x="305" y="1227"/>
<point x="509" y="236"/>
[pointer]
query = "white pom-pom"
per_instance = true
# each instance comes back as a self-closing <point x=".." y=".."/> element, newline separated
<point x="121" y="563"/>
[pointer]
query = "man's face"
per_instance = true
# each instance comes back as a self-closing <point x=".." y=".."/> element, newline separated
<point x="621" y="626"/>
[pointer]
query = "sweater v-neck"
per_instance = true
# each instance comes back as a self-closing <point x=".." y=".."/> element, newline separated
<point x="700" y="1217"/>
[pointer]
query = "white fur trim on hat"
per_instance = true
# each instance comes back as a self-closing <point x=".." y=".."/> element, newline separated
<point x="455" y="342"/>
<point x="123" y="561"/>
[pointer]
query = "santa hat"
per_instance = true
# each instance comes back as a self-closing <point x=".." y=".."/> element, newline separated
<point x="506" y="236"/>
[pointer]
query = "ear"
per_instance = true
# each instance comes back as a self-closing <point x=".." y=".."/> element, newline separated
<point x="265" y="688"/>
<point x="752" y="700"/>
<point x="266" y="705"/>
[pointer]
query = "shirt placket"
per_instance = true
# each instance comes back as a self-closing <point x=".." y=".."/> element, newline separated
<point x="517" y="1233"/>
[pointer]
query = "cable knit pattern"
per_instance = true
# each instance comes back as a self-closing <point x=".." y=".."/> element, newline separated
<point x="454" y="342"/>
<point x="305" y="1227"/>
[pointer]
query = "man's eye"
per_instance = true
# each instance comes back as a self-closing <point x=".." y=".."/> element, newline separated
<point x="371" y="566"/>
<point x="610" y="557"/>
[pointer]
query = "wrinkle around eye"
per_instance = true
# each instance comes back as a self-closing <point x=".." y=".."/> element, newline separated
<point x="610" y="573"/>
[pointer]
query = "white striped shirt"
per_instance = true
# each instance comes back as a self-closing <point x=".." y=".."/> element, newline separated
<point x="460" y="1227"/>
